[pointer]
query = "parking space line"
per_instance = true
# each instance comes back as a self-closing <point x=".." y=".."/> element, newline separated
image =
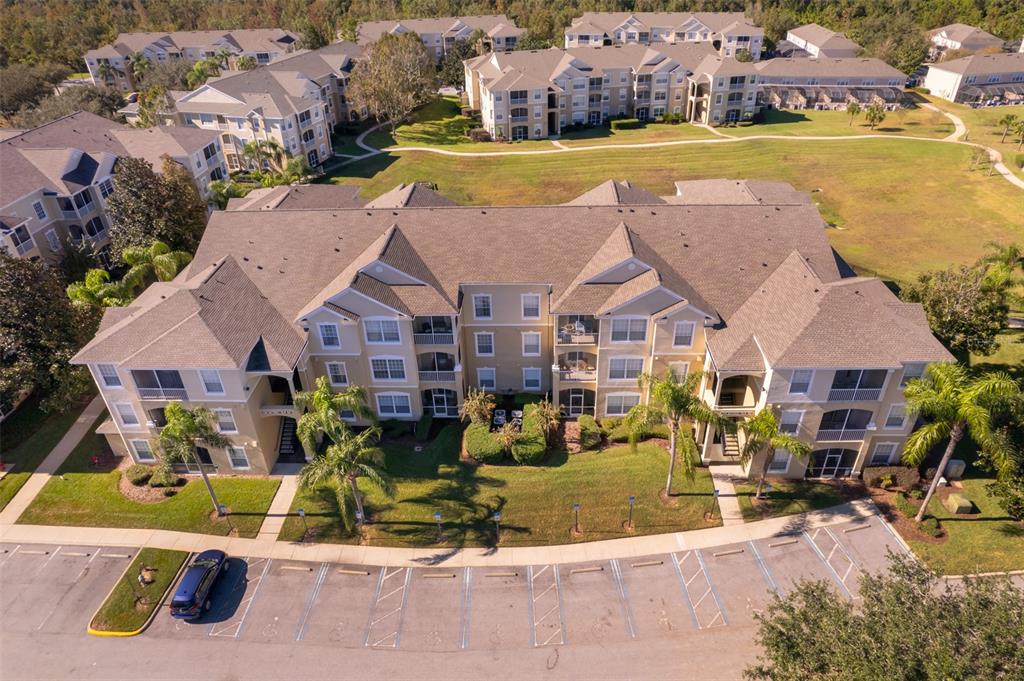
<point x="237" y="626"/>
<point x="465" y="607"/>
<point x="312" y="600"/>
<point x="620" y="587"/>
<point x="71" y="586"/>
<point x="34" y="552"/>
<point x="764" y="568"/>
<point x="401" y="591"/>
<point x="534" y="608"/>
<point x="701" y="574"/>
<point x="712" y="588"/>
<point x="47" y="561"/>
<point x="831" y="570"/>
<point x="682" y="588"/>
<point x="13" y="551"/>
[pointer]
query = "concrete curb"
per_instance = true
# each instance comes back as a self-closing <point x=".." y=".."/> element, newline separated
<point x="152" y="615"/>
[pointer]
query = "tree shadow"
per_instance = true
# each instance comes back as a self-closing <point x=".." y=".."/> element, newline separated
<point x="784" y="117"/>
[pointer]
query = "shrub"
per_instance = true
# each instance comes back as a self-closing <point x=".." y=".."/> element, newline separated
<point x="590" y="433"/>
<point x="886" y="481"/>
<point x="479" y="135"/>
<point x="930" y="525"/>
<point x="904" y="506"/>
<point x="610" y="423"/>
<point x="477" y="406"/>
<point x="621" y="433"/>
<point x="626" y="124"/>
<point x="482" y="445"/>
<point x="532" y="444"/>
<point x="904" y="476"/>
<point x="1019" y="160"/>
<point x="916" y="494"/>
<point x="393" y="428"/>
<point x="137" y="474"/>
<point x="163" y="476"/>
<point x="423" y="428"/>
<point x="523" y="399"/>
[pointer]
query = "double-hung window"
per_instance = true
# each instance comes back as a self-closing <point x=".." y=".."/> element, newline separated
<point x="789" y="421"/>
<point x="485" y="378"/>
<point x="382" y="331"/>
<point x="38" y="208"/>
<point x="531" y="344"/>
<point x="484" y="344"/>
<point x="225" y="421"/>
<point x="629" y="330"/>
<point x="329" y="337"/>
<point x="531" y="306"/>
<point x="800" y="384"/>
<point x="237" y="456"/>
<point x="682" y="335"/>
<point x="127" y="414"/>
<point x="897" y="416"/>
<point x="481" y="306"/>
<point x="388" y="369"/>
<point x="143" y="452"/>
<point x="882" y="453"/>
<point x="621" y="368"/>
<point x="618" y="405"/>
<point x="211" y="381"/>
<point x="910" y="372"/>
<point x="108" y="374"/>
<point x="531" y="378"/>
<point x="393" y="404"/>
<point x="779" y="462"/>
<point x="336" y="372"/>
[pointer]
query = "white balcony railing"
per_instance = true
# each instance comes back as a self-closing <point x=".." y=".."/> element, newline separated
<point x="576" y="375"/>
<point x="565" y="338"/>
<point x="853" y="394"/>
<point x="278" y="410"/>
<point x="163" y="393"/>
<point x="438" y="376"/>
<point x="841" y="435"/>
<point x="434" y="338"/>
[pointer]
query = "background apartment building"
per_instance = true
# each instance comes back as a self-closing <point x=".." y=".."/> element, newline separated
<point x="829" y="83"/>
<point x="963" y="37"/>
<point x="500" y="34"/>
<point x="978" y="78"/>
<point x="419" y="304"/>
<point x="728" y="33"/>
<point x="112" y="64"/>
<point x="57" y="177"/>
<point x="814" y="40"/>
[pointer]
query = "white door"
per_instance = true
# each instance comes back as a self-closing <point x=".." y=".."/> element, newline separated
<point x="575" y="403"/>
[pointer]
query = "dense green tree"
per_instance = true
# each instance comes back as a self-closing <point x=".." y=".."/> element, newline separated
<point x="25" y="86"/>
<point x="452" y="72"/>
<point x="170" y="74"/>
<point x="77" y="258"/>
<point x="102" y="101"/>
<point x="396" y="75"/>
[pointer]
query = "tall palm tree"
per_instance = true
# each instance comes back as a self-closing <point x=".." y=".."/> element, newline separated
<point x="321" y="412"/>
<point x="246" y="63"/>
<point x="268" y="150"/>
<point x="1018" y="130"/>
<point x="185" y="429"/>
<point x="98" y="291"/>
<point x="222" y="56"/>
<point x="343" y="462"/>
<point x="158" y="259"/>
<point x="674" y="403"/>
<point x="764" y="436"/>
<point x="140" y="66"/>
<point x="956" y="404"/>
<point x="1007" y="122"/>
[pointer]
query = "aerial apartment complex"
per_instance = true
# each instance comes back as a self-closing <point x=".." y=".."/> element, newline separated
<point x="829" y="83"/>
<point x="419" y="303"/>
<point x="112" y="64"/>
<point x="979" y="78"/>
<point x="57" y="177"/>
<point x="728" y="33"/>
<point x="499" y="33"/>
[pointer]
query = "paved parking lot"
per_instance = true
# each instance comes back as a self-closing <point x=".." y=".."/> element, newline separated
<point x="441" y="609"/>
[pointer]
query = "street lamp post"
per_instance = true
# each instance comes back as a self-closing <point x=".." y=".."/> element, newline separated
<point x="576" y="521"/>
<point x="632" y="500"/>
<point x="497" y="526"/>
<point x="437" y="519"/>
<point x="305" y="527"/>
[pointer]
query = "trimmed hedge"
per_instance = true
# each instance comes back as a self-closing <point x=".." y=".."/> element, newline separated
<point x="627" y="124"/>
<point x="930" y="525"/>
<point x="482" y="445"/>
<point x="590" y="432"/>
<point x="423" y="428"/>
<point x="903" y="476"/>
<point x="163" y="476"/>
<point x="620" y="433"/>
<point x="532" y="444"/>
<point x="903" y="505"/>
<point x="138" y="474"/>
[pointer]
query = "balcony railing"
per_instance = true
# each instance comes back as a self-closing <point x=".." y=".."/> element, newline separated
<point x="434" y="338"/>
<point x="278" y="410"/>
<point x="438" y="376"/>
<point x="24" y="247"/>
<point x="163" y="393"/>
<point x="841" y="435"/>
<point x="736" y="410"/>
<point x="853" y="394"/>
<point x="577" y="375"/>
<point x="519" y="119"/>
<point x="565" y="338"/>
<point x="518" y="100"/>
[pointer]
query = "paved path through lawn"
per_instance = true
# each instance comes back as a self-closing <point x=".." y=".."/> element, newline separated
<point x="279" y="507"/>
<point x="723" y="477"/>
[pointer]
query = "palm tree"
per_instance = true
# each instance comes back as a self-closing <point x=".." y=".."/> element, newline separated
<point x="321" y="412"/>
<point x="140" y="66"/>
<point x="223" y="190"/>
<point x="185" y="429"/>
<point x="257" y="151"/>
<point x="343" y="462"/>
<point x="1007" y="122"/>
<point x="158" y="259"/>
<point x="956" y="404"/>
<point x="763" y="435"/>
<point x="246" y="63"/>
<point x="1018" y="130"/>
<point x="675" y="403"/>
<point x="222" y="56"/>
<point x="105" y="71"/>
<point x="852" y="110"/>
<point x="295" y="169"/>
<point x="874" y="115"/>
<point x="98" y="291"/>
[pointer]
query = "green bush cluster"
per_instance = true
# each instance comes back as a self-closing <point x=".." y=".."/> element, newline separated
<point x="616" y="431"/>
<point x="532" y="444"/>
<point x="163" y="476"/>
<point x="672" y="118"/>
<point x="483" y="445"/>
<point x="393" y="428"/>
<point x="903" y="476"/>
<point x="626" y="124"/>
<point x="590" y="432"/>
<point x="423" y="427"/>
<point x="523" y="399"/>
<point x="138" y="474"/>
<point x="930" y="525"/>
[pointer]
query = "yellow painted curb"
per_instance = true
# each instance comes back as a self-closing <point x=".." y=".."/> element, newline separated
<point x="152" y="615"/>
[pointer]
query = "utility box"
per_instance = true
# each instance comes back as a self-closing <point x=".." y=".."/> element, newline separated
<point x="959" y="504"/>
<point x="955" y="469"/>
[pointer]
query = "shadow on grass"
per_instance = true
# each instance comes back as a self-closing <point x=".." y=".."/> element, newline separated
<point x="783" y="117"/>
<point x="1015" y="530"/>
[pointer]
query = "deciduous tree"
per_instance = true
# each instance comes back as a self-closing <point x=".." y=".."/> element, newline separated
<point x="852" y="110"/>
<point x="395" y="76"/>
<point x="102" y="101"/>
<point x="453" y="73"/>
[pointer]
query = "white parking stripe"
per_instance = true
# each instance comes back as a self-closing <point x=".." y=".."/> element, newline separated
<point x="620" y="587"/>
<point x="312" y="600"/>
<point x="465" y="610"/>
<point x="828" y="566"/>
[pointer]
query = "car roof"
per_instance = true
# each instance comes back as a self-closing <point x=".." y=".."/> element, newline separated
<point x="190" y="582"/>
<point x="210" y="554"/>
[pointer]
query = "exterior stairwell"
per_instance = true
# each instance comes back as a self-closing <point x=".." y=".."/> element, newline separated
<point x="289" y="449"/>
<point x="730" y="446"/>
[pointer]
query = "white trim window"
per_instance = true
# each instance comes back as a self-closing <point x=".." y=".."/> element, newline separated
<point x="106" y="187"/>
<point x="619" y="404"/>
<point x="789" y="421"/>
<point x="225" y="421"/>
<point x="629" y="330"/>
<point x="682" y="334"/>
<point x="800" y="382"/>
<point x="126" y="414"/>
<point x="482" y="306"/>
<point x="53" y="240"/>
<point x="486" y="378"/>
<point x="625" y="368"/>
<point x="388" y="368"/>
<point x="237" y="457"/>
<point x="897" y="417"/>
<point x="484" y="341"/>
<point x="531" y="305"/>
<point x="329" y="337"/>
<point x="882" y="454"/>
<point x="382" y="331"/>
<point x="394" y="404"/>
<point x="780" y="461"/>
<point x="37" y="206"/>
<point x="531" y="378"/>
<point x="679" y="370"/>
<point x="337" y="373"/>
<point x="109" y="376"/>
<point x="911" y="371"/>
<point x="142" y="451"/>
<point x="531" y="344"/>
<point x="212" y="384"/>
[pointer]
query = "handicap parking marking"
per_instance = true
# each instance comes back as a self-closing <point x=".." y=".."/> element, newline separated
<point x="384" y="625"/>
<point x="654" y="590"/>
<point x="498" y="609"/>
<point x="311" y="601"/>
<point x="231" y="629"/>
<point x="847" y="569"/>
<point x="546" y="611"/>
<point x="830" y="568"/>
<point x="699" y="589"/>
<point x="338" y="613"/>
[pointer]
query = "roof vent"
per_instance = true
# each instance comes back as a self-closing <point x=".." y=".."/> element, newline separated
<point x="245" y="258"/>
<point x="259" y="267"/>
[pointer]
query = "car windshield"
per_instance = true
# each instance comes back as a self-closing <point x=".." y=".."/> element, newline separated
<point x="181" y="602"/>
<point x="204" y="563"/>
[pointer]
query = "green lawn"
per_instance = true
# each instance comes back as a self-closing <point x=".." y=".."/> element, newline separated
<point x="653" y="132"/>
<point x="28" y="436"/>
<point x="915" y="122"/>
<point x="788" y="497"/>
<point x="900" y="206"/>
<point x="1009" y="357"/>
<point x="983" y="127"/>
<point x="130" y="604"/>
<point x="83" y="497"/>
<point x="535" y="501"/>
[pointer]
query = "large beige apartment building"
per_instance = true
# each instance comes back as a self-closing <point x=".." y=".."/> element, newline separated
<point x="112" y="64"/>
<point x="829" y="83"/>
<point x="728" y="33"/>
<point x="57" y="177"/>
<point x="499" y="33"/>
<point x="295" y="101"/>
<point x="418" y="304"/>
<point x="537" y="93"/>
<point x="980" y="78"/>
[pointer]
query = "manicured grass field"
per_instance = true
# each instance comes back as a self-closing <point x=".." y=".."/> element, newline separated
<point x="28" y="436"/>
<point x="653" y="132"/>
<point x="535" y="501"/>
<point x="901" y="207"/>
<point x="914" y="122"/>
<point x="1009" y="357"/>
<point x="983" y="127"/>
<point x="83" y="497"/>
<point x="788" y="497"/>
<point x="130" y="603"/>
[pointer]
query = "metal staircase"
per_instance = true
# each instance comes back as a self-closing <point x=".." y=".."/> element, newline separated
<point x="289" y="449"/>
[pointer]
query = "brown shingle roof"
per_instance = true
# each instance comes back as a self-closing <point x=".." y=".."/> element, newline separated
<point x="615" y="193"/>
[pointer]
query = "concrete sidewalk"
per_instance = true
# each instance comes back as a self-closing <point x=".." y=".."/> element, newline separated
<point x="279" y="507"/>
<point x="723" y="477"/>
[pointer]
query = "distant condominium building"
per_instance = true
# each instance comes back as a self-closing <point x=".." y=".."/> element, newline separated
<point x="829" y="83"/>
<point x="964" y="37"/>
<point x="538" y="93"/>
<point x="418" y="304"/>
<point x="498" y="32"/>
<point x="112" y="64"/>
<point x="818" y="41"/>
<point x="729" y="33"/>
<point x="57" y="177"/>
<point x="979" y="78"/>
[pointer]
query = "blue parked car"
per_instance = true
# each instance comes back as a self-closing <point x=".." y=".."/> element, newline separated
<point x="193" y="594"/>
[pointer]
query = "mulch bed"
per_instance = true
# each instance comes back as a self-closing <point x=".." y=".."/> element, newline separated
<point x="143" y="494"/>
<point x="907" y="528"/>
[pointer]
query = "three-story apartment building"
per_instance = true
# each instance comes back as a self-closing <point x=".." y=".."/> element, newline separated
<point x="978" y="78"/>
<point x="817" y="41"/>
<point x="499" y="33"/>
<point x="728" y="33"/>
<point x="57" y="177"/>
<point x="419" y="304"/>
<point x="829" y="83"/>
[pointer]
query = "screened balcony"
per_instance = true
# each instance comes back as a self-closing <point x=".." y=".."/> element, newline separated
<point x="575" y="329"/>
<point x="852" y="385"/>
<point x="577" y="366"/>
<point x="438" y="367"/>
<point x="844" y="425"/>
<point x="433" y="331"/>
<point x="159" y="384"/>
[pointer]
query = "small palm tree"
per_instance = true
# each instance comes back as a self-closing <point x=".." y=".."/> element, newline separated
<point x="98" y="291"/>
<point x="1018" y="130"/>
<point x="1007" y="122"/>
<point x="956" y="404"/>
<point x="764" y="436"/>
<point x="257" y="151"/>
<point x="140" y="66"/>
<point x="343" y="462"/>
<point x="105" y="71"/>
<point x="223" y="190"/>
<point x="185" y="429"/>
<point x="852" y="110"/>
<point x="321" y="412"/>
<point x="675" y="403"/>
<point x="874" y="115"/>
<point x="477" y="406"/>
<point x="158" y="259"/>
<point x="549" y="415"/>
<point x="246" y="63"/>
<point x="507" y="435"/>
<point x="222" y="56"/>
